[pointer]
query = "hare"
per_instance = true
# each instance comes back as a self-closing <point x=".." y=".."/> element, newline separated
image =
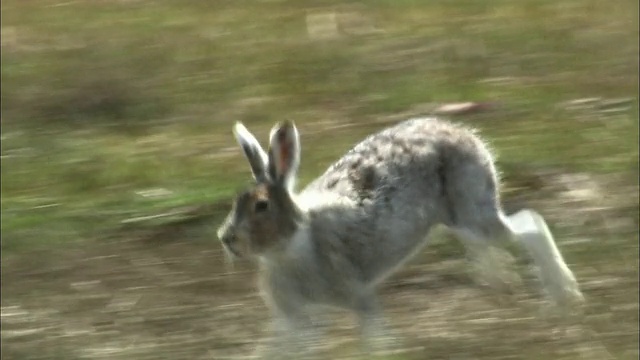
<point x="348" y="230"/>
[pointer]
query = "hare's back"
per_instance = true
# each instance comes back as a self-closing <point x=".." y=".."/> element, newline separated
<point x="404" y="156"/>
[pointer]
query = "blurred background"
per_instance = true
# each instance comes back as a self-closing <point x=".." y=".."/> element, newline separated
<point x="118" y="163"/>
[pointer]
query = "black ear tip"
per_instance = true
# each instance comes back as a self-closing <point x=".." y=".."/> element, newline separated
<point x="247" y="149"/>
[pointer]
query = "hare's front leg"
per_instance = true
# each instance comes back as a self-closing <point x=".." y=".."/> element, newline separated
<point x="374" y="332"/>
<point x="293" y="335"/>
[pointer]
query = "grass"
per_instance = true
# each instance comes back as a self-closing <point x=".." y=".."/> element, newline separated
<point x="104" y="101"/>
<point x="100" y="100"/>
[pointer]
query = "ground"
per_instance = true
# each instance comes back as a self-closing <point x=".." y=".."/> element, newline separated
<point x="168" y="293"/>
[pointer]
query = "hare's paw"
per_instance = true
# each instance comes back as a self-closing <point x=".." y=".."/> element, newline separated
<point x="379" y="341"/>
<point x="563" y="290"/>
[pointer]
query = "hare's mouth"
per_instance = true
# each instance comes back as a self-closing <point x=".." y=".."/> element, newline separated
<point x="232" y="250"/>
<point x="230" y="241"/>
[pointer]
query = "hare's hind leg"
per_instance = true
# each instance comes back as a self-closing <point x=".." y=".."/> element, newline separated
<point x="529" y="230"/>
<point x="476" y="217"/>
<point x="489" y="263"/>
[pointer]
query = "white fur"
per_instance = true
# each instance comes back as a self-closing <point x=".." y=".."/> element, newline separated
<point x="534" y="235"/>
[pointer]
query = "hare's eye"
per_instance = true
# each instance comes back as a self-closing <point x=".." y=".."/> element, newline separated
<point x="261" y="206"/>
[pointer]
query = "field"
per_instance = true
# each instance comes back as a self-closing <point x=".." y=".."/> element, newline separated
<point x="118" y="164"/>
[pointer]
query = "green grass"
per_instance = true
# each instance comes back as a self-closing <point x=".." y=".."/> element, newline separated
<point x="101" y="100"/>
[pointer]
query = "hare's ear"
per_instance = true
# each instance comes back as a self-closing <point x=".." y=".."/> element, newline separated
<point x="253" y="151"/>
<point x="284" y="154"/>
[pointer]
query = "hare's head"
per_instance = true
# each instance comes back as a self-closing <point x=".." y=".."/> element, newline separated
<point x="264" y="216"/>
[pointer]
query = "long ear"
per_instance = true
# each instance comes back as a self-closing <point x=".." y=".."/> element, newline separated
<point x="253" y="151"/>
<point x="284" y="154"/>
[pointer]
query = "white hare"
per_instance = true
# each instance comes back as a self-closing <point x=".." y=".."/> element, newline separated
<point x="332" y="243"/>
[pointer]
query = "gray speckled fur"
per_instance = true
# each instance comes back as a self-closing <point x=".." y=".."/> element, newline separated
<point x="372" y="209"/>
<point x="419" y="173"/>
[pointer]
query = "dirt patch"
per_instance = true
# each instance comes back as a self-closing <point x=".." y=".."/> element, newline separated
<point x="167" y="294"/>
